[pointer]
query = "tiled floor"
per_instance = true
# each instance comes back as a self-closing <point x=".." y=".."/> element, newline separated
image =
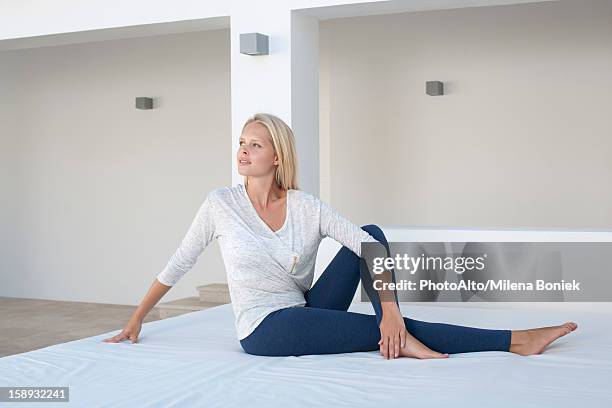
<point x="30" y="324"/>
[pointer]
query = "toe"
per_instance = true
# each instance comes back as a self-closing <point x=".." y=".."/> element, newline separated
<point x="571" y="326"/>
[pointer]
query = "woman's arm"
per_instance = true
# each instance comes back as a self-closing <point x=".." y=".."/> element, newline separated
<point x="200" y="233"/>
<point x="155" y="293"/>
<point x="133" y="326"/>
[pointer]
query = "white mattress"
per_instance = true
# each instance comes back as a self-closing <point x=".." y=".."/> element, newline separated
<point x="195" y="360"/>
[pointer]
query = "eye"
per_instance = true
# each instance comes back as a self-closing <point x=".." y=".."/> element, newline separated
<point x="257" y="144"/>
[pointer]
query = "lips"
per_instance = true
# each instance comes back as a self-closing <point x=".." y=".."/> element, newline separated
<point x="244" y="162"/>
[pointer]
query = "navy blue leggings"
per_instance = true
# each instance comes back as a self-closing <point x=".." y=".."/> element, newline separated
<point x="324" y="326"/>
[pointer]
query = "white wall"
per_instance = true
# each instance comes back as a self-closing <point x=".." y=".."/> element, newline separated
<point x="105" y="192"/>
<point x="521" y="139"/>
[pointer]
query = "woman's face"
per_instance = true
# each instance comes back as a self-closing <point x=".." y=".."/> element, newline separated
<point x="256" y="156"/>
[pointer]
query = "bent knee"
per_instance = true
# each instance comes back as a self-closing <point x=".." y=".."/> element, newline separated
<point x="374" y="230"/>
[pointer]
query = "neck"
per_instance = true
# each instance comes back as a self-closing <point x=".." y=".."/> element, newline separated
<point x="262" y="192"/>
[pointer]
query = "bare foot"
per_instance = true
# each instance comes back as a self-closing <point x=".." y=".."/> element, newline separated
<point x="414" y="348"/>
<point x="534" y="341"/>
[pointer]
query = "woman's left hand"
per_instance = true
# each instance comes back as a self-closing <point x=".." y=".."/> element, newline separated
<point x="392" y="333"/>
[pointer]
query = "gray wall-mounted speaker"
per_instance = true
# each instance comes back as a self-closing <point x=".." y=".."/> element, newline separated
<point x="434" y="88"/>
<point x="143" y="102"/>
<point x="254" y="44"/>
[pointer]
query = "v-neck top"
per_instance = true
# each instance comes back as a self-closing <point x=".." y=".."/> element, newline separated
<point x="266" y="270"/>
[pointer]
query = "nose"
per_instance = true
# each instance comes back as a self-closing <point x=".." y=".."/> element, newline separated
<point x="242" y="153"/>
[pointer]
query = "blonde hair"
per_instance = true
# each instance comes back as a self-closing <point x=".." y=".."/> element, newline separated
<point x="284" y="147"/>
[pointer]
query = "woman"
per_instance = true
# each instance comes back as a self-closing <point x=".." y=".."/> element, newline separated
<point x="269" y="232"/>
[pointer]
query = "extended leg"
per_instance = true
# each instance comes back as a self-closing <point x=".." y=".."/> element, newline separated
<point x="296" y="331"/>
<point x="451" y="338"/>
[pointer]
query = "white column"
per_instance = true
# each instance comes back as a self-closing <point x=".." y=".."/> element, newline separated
<point x="284" y="83"/>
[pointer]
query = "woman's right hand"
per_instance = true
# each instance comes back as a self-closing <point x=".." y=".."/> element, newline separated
<point x="130" y="331"/>
<point x="132" y="328"/>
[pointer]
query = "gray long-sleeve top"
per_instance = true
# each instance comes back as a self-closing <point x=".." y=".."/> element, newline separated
<point x="266" y="270"/>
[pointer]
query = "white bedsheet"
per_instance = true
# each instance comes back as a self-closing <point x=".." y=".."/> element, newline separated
<point x="195" y="360"/>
